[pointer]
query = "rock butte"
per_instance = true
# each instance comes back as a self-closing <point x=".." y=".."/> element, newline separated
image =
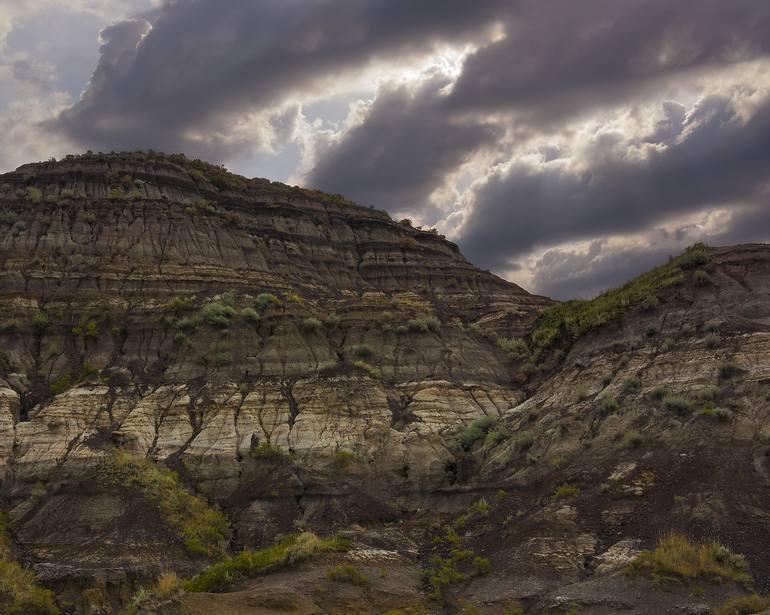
<point x="305" y="363"/>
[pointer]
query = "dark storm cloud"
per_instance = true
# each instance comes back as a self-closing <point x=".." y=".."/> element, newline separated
<point x="718" y="159"/>
<point x="403" y="150"/>
<point x="559" y="57"/>
<point x="205" y="61"/>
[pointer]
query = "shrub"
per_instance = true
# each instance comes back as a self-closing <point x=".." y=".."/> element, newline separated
<point x="221" y="359"/>
<point x="61" y="384"/>
<point x="702" y="278"/>
<point x="311" y="324"/>
<point x="680" y="406"/>
<point x="251" y="315"/>
<point x="525" y="440"/>
<point x="657" y="393"/>
<point x="33" y="195"/>
<point x="632" y="439"/>
<point x="727" y="369"/>
<point x="371" y="370"/>
<point x="218" y="315"/>
<point x="743" y="605"/>
<point x="19" y="592"/>
<point x="7" y="216"/>
<point x="332" y="320"/>
<point x="706" y="393"/>
<point x="678" y="558"/>
<point x="667" y="345"/>
<point x="424" y="325"/>
<point x="201" y="528"/>
<point x="516" y="349"/>
<point x="265" y="300"/>
<point x="186" y="325"/>
<point x="497" y="435"/>
<point x="631" y="384"/>
<point x="346" y="573"/>
<point x="477" y="429"/>
<point x="40" y="323"/>
<point x="513" y="609"/>
<point x="248" y="564"/>
<point x="713" y="325"/>
<point x="565" y="492"/>
<point x="345" y="458"/>
<point x="712" y="340"/>
<point x="363" y="351"/>
<point x="608" y="404"/>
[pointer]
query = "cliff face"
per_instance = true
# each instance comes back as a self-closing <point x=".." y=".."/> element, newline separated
<point x="302" y="362"/>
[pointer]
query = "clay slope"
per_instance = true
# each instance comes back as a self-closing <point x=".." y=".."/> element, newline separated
<point x="305" y="364"/>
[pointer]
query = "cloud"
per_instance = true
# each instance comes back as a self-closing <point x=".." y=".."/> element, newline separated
<point x="563" y="58"/>
<point x="206" y="63"/>
<point x="620" y="185"/>
<point x="403" y="149"/>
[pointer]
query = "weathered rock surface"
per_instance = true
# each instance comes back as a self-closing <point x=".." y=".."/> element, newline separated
<point x="138" y="315"/>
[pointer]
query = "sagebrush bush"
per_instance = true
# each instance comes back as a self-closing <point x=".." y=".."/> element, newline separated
<point x="632" y="384"/>
<point x="477" y="429"/>
<point x="311" y="325"/>
<point x="516" y="349"/>
<point x="565" y="492"/>
<point x="681" y="406"/>
<point x="265" y="300"/>
<point x="218" y="315"/>
<point x="425" y="324"/>
<point x="727" y="369"/>
<point x="251" y="315"/>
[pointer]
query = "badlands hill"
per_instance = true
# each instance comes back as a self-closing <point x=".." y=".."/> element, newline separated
<point x="223" y="395"/>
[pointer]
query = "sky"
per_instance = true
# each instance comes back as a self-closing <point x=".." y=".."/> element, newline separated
<point x="564" y="145"/>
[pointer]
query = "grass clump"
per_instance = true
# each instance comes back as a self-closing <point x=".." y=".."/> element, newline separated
<point x="218" y="315"/>
<point x="40" y="323"/>
<point x="347" y="573"/>
<point x="426" y="324"/>
<point x="657" y="392"/>
<point x="668" y="344"/>
<point x="477" y="430"/>
<point x="516" y="349"/>
<point x="608" y="404"/>
<point x="681" y="406"/>
<point x="525" y="440"/>
<point x="19" y="592"/>
<point x="61" y="384"/>
<point x="632" y="439"/>
<point x="373" y="372"/>
<point x="250" y="314"/>
<point x="564" y="492"/>
<point x="632" y="384"/>
<point x="677" y="558"/>
<point x="572" y="319"/>
<point x="712" y="340"/>
<point x="363" y="351"/>
<point x="311" y="325"/>
<point x="458" y="566"/>
<point x="203" y="529"/>
<point x="728" y="369"/>
<point x="265" y="300"/>
<point x="248" y="564"/>
<point x="743" y="605"/>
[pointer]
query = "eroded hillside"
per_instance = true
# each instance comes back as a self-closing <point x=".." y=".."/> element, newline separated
<point x="196" y="365"/>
